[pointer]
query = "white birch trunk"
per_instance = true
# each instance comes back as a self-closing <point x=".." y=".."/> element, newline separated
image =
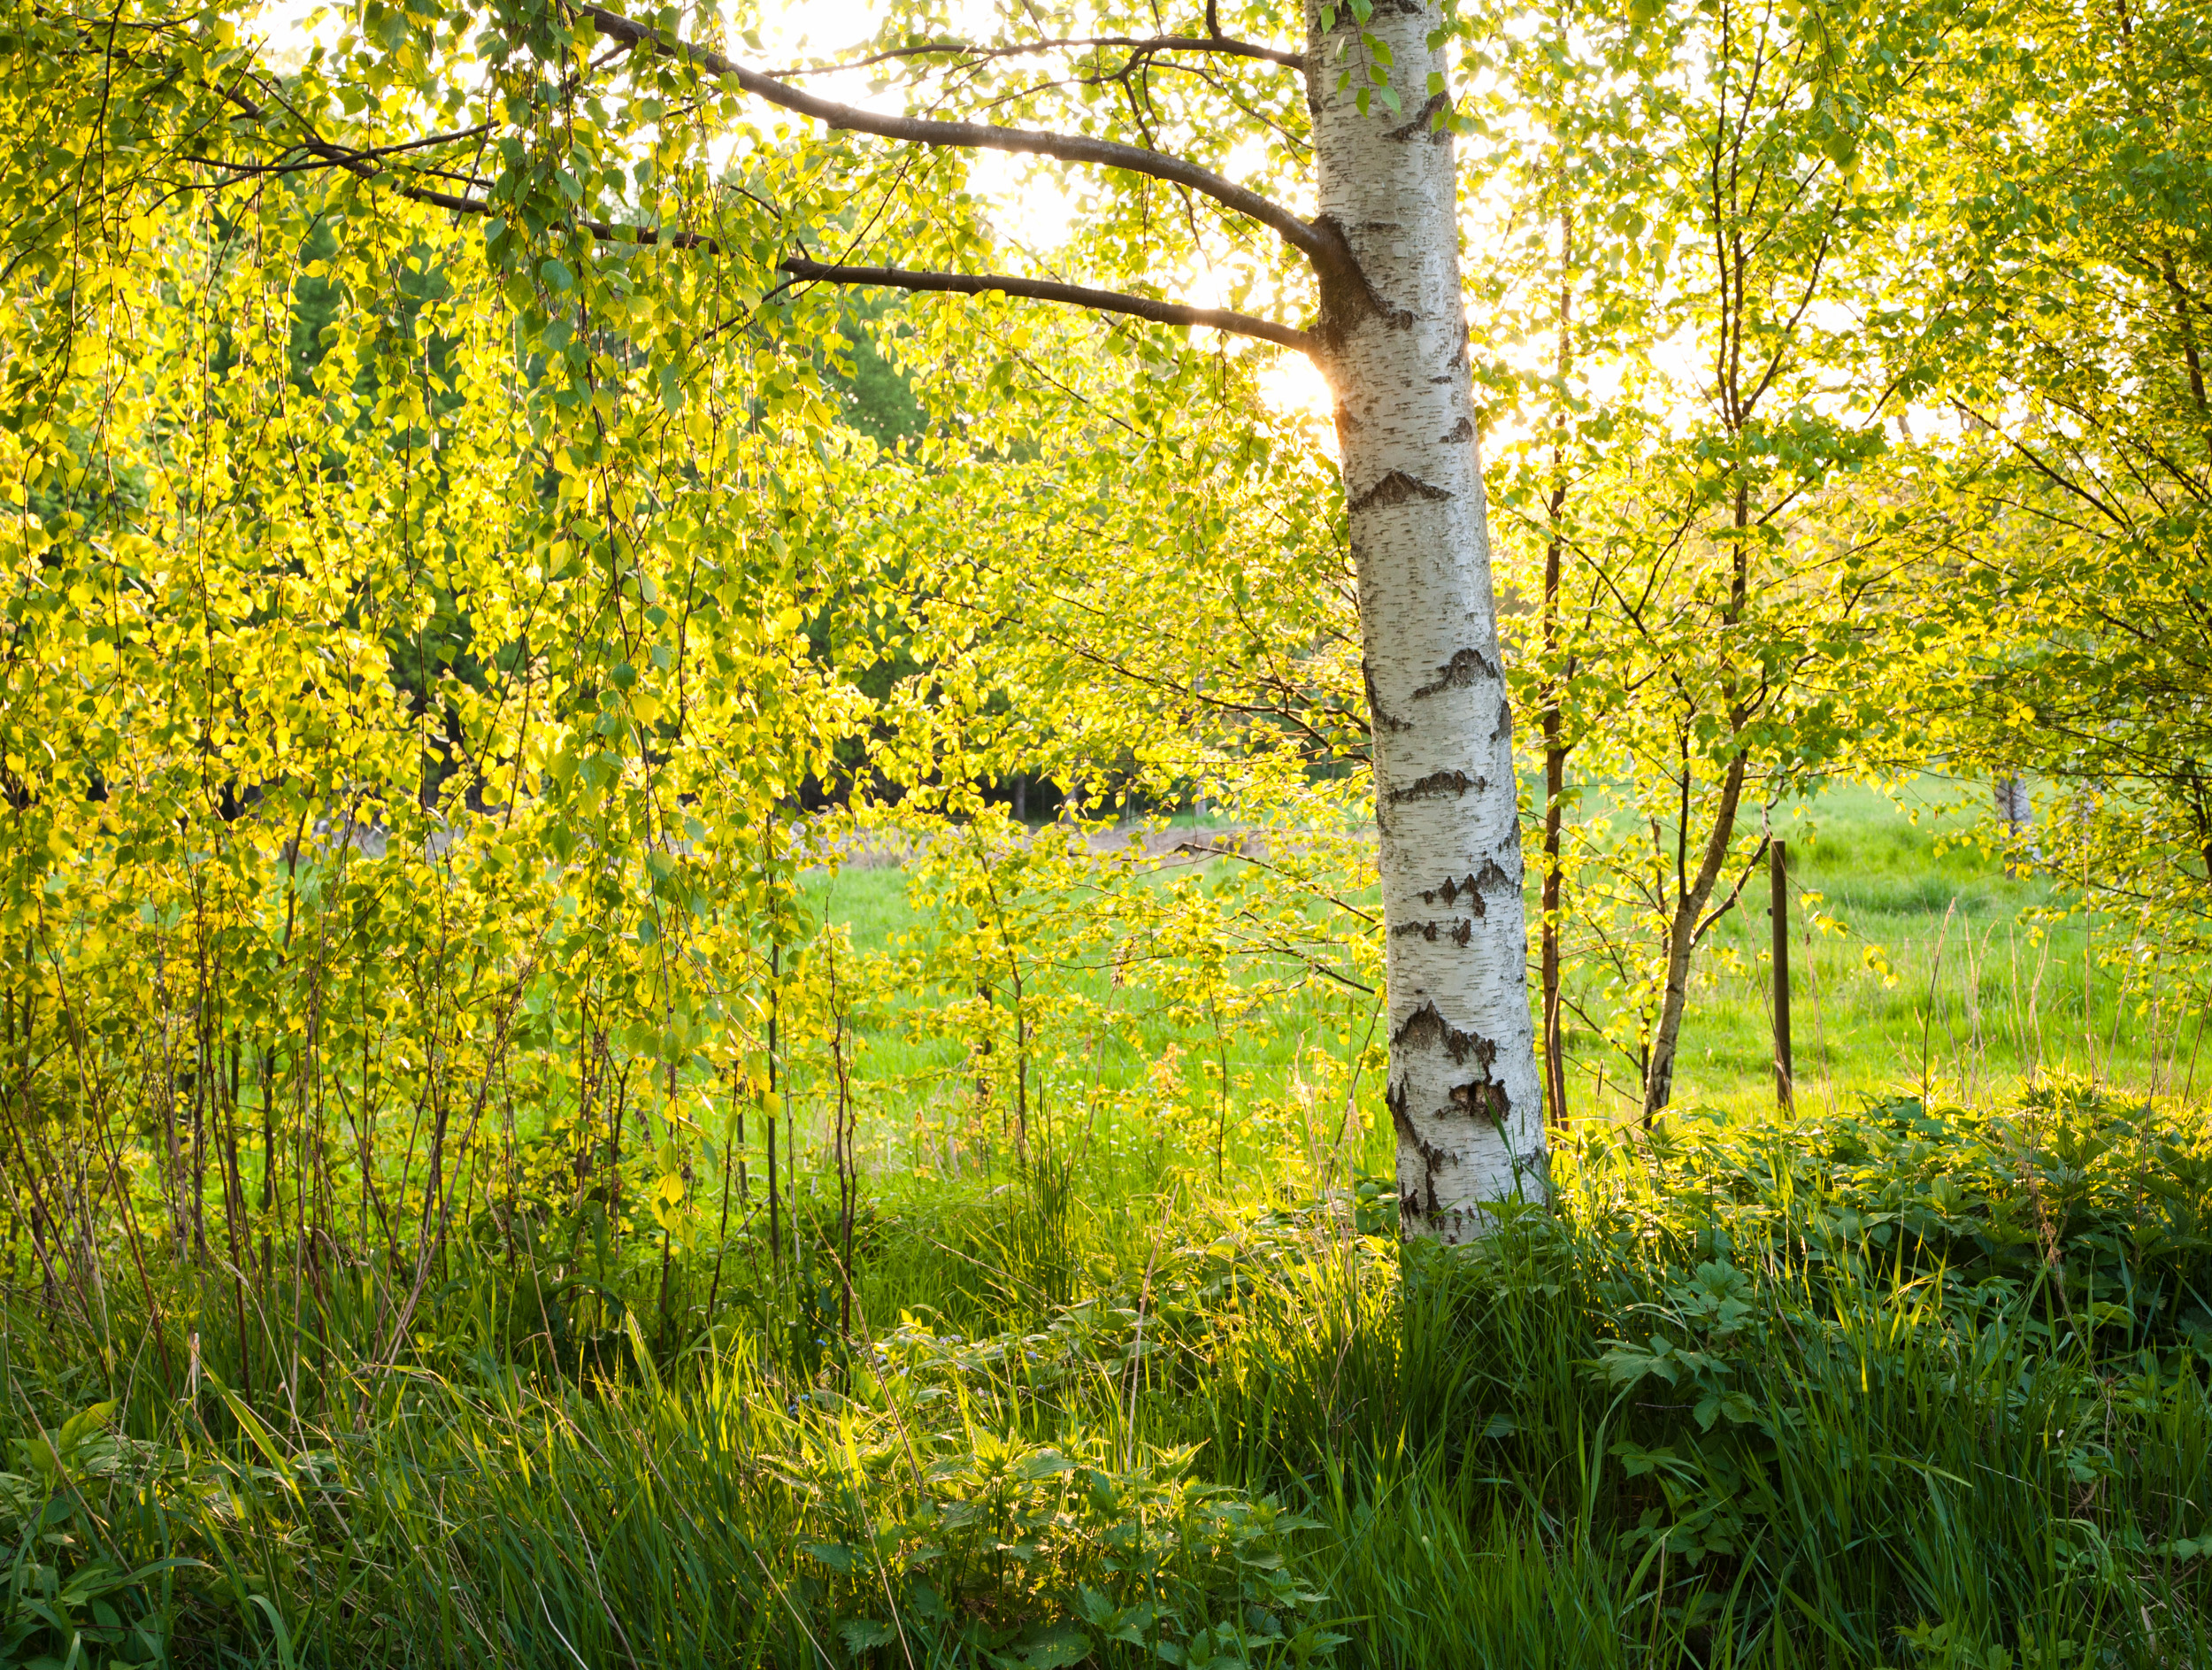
<point x="1463" y="1089"/>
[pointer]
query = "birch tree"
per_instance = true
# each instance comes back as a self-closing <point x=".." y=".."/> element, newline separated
<point x="1392" y="337"/>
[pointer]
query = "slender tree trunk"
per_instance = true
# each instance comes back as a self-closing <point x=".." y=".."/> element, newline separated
<point x="1779" y="923"/>
<point x="268" y="1156"/>
<point x="2016" y="812"/>
<point x="1693" y="896"/>
<point x="1556" y="677"/>
<point x="1554" y="887"/>
<point x="775" y="1004"/>
<point x="1464" y="1090"/>
<point x="848" y="1174"/>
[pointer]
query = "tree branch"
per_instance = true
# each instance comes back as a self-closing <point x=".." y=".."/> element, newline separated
<point x="1045" y="290"/>
<point x="1327" y="252"/>
<point x="1142" y="45"/>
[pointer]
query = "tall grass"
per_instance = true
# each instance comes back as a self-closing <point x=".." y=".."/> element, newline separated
<point x="1908" y="1386"/>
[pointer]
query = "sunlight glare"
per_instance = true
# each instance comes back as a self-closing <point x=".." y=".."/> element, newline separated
<point x="1293" y="388"/>
<point x="1028" y="204"/>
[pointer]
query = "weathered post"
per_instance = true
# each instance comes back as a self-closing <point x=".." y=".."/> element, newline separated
<point x="1778" y="873"/>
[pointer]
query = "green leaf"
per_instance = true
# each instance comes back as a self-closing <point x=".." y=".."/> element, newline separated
<point x="1056" y="1649"/>
<point x="862" y="1633"/>
<point x="80" y="1426"/>
<point x="1637" y="1461"/>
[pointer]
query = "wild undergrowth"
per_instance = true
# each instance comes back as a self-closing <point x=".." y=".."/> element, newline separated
<point x="1910" y="1386"/>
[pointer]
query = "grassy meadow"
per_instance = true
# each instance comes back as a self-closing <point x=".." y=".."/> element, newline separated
<point x="1911" y="1375"/>
<point x="1918" y="965"/>
<point x="1942" y="973"/>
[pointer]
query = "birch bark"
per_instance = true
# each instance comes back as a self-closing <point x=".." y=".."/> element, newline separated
<point x="1463" y="1091"/>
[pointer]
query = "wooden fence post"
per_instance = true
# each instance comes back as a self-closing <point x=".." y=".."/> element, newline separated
<point x="1779" y="873"/>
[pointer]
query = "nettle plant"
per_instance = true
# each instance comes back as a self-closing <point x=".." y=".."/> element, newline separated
<point x="1048" y="1554"/>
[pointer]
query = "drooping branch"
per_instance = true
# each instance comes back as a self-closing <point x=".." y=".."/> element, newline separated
<point x="367" y="164"/>
<point x="1047" y="290"/>
<point x="1328" y="253"/>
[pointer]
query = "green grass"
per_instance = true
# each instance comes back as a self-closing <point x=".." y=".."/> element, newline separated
<point x="1136" y="1089"/>
<point x="1950" y="976"/>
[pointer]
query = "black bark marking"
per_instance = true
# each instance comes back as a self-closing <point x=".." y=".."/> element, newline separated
<point x="1432" y="1157"/>
<point x="1348" y="295"/>
<point x="1458" y="361"/>
<point x="1386" y="232"/>
<point x="1490" y="879"/>
<point x="1464" y="430"/>
<point x="1436" y="785"/>
<point x="1397" y="488"/>
<point x="1458" y="932"/>
<point x="1503" y="728"/>
<point x="1419" y="128"/>
<point x="1349" y="20"/>
<point x="1538" y="1165"/>
<point x="1483" y="1099"/>
<point x="1465" y="669"/>
<point x="1427" y="1030"/>
<point x="1394" y="1099"/>
<point x="1384" y="719"/>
